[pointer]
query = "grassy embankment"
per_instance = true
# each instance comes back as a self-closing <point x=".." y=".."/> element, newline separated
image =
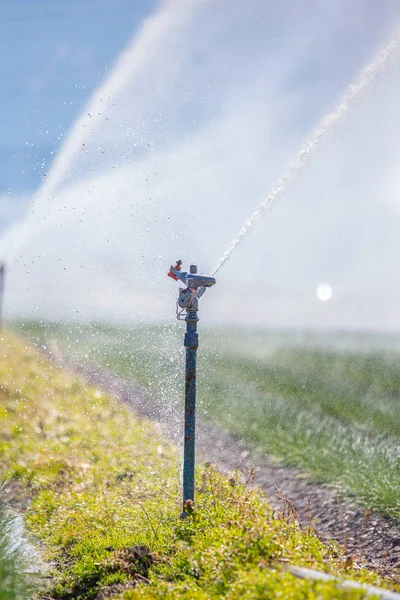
<point x="331" y="410"/>
<point x="104" y="502"/>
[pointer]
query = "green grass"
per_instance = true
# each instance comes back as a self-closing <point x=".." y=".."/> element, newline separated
<point x="104" y="503"/>
<point x="331" y="434"/>
<point x="328" y="405"/>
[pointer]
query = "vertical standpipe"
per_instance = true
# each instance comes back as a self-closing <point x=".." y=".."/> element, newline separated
<point x="188" y="300"/>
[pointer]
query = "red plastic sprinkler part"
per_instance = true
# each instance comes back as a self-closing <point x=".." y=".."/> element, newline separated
<point x="178" y="268"/>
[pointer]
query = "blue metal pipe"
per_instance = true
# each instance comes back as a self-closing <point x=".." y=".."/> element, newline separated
<point x="191" y="345"/>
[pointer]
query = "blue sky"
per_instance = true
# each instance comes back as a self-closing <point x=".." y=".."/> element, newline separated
<point x="199" y="107"/>
<point x="53" y="54"/>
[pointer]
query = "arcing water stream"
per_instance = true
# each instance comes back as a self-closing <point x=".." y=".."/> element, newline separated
<point x="354" y="91"/>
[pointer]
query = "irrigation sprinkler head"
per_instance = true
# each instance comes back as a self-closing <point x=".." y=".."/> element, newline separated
<point x="192" y="280"/>
<point x="196" y="285"/>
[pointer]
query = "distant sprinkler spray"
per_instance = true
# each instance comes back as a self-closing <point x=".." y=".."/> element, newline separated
<point x="354" y="91"/>
<point x="188" y="299"/>
<point x="161" y="27"/>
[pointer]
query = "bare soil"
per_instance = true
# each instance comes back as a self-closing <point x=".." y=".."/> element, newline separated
<point x="368" y="538"/>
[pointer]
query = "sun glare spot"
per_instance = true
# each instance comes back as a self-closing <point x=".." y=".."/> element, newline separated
<point x="324" y="292"/>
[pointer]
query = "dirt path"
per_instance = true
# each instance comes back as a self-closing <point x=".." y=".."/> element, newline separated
<point x="369" y="539"/>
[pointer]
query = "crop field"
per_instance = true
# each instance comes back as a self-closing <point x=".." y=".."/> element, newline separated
<point x="104" y="502"/>
<point x="327" y="404"/>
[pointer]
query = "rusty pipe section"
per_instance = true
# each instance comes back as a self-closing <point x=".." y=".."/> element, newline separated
<point x="191" y="344"/>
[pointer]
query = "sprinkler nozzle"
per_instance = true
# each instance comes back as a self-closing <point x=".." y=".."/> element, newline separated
<point x="177" y="267"/>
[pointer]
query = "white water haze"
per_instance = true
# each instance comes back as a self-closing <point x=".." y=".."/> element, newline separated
<point x="203" y="110"/>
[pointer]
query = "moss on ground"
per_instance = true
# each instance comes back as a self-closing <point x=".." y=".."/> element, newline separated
<point x="104" y="502"/>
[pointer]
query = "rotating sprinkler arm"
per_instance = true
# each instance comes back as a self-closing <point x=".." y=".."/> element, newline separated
<point x="192" y="280"/>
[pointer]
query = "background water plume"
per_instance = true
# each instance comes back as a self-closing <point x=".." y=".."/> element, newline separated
<point x="170" y="168"/>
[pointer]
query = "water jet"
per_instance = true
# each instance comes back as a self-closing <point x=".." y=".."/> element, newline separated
<point x="326" y="125"/>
